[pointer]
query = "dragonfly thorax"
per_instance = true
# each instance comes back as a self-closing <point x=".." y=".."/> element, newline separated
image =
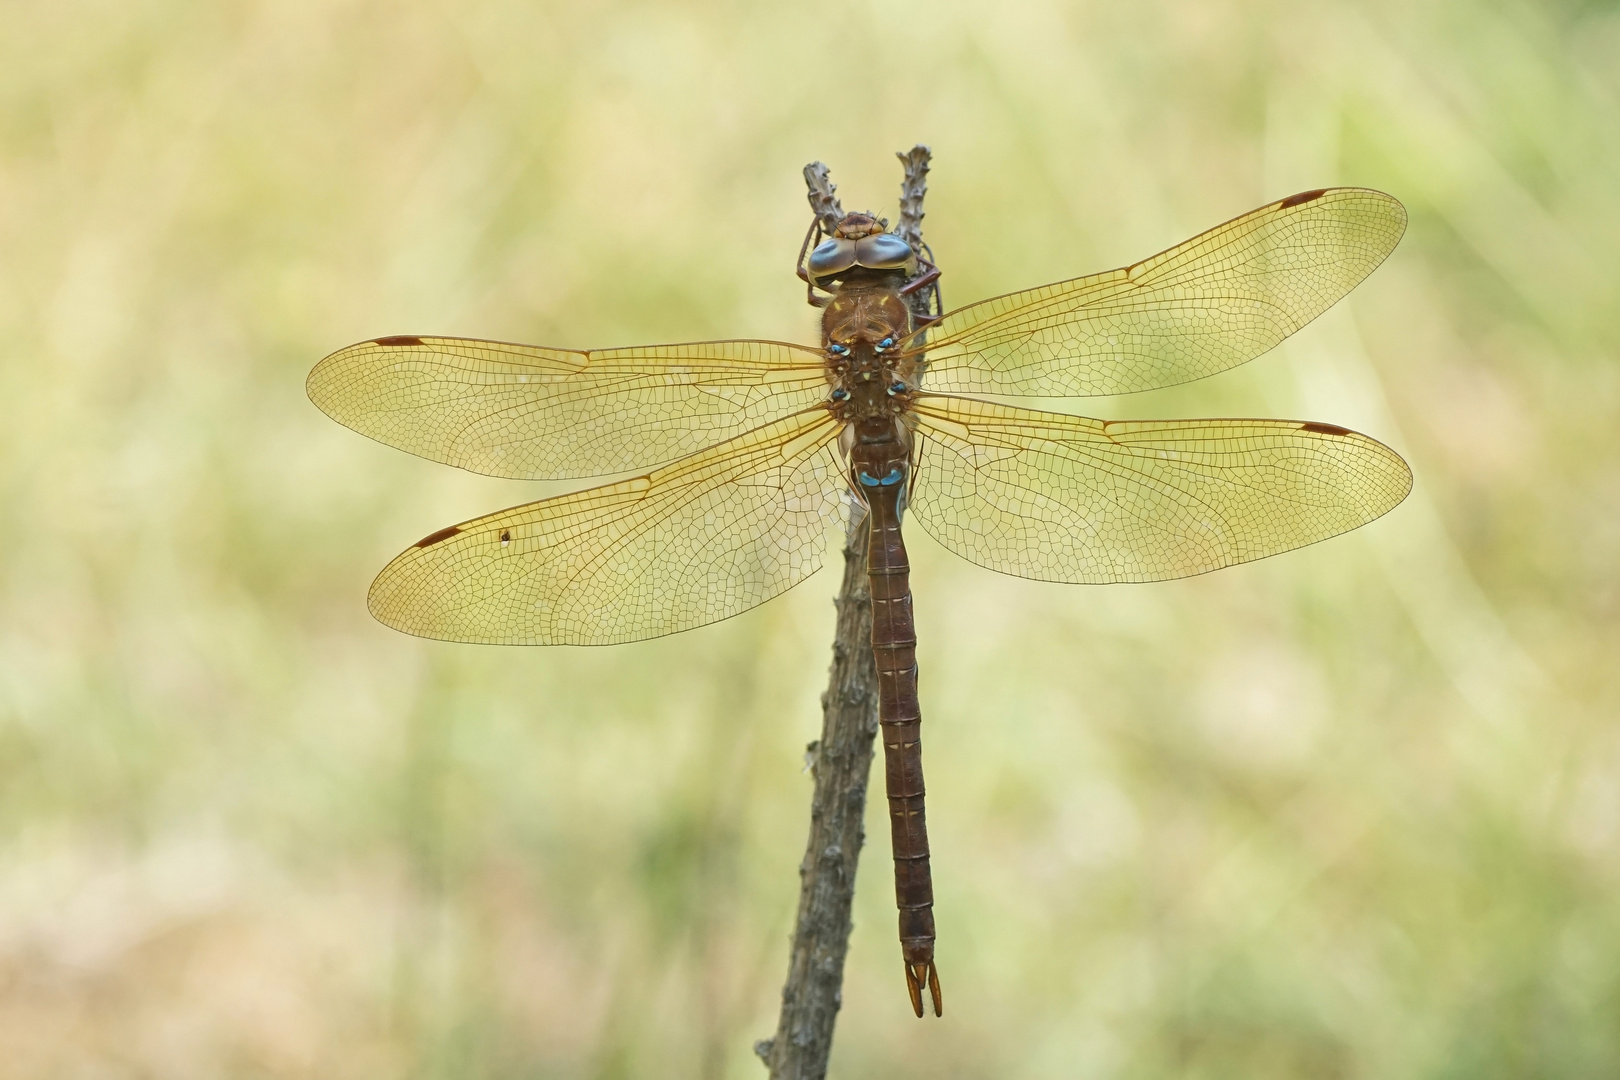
<point x="870" y="374"/>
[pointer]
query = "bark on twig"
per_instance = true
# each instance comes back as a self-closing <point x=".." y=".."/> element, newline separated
<point x="842" y="763"/>
<point x="842" y="760"/>
<point x="823" y="203"/>
<point x="912" y="190"/>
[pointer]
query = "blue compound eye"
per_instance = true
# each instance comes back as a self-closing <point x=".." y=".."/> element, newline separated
<point x="838" y="350"/>
<point x="886" y="344"/>
<point x="896" y="387"/>
<point x="840" y="394"/>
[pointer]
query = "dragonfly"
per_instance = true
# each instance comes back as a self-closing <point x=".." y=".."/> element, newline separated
<point x="746" y="453"/>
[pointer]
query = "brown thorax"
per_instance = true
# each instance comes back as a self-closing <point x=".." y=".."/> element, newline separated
<point x="870" y="372"/>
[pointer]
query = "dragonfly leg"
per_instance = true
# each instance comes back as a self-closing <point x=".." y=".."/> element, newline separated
<point x="921" y="281"/>
<point x="928" y="279"/>
<point x="813" y="234"/>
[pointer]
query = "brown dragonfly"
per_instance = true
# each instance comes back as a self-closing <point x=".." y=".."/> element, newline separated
<point x="746" y="449"/>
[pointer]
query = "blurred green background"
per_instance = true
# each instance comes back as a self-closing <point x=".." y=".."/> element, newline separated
<point x="1349" y="812"/>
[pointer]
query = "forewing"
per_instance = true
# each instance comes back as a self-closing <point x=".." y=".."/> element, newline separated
<point x="1204" y="306"/>
<point x="536" y="413"/>
<point x="1066" y="498"/>
<point x="696" y="541"/>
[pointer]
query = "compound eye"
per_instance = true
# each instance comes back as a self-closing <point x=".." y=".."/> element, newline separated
<point x="885" y="251"/>
<point x="838" y="350"/>
<point x="886" y="344"/>
<point x="896" y="387"/>
<point x="831" y="257"/>
<point x="840" y="394"/>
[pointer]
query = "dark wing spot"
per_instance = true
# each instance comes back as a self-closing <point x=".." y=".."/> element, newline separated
<point x="1325" y="429"/>
<point x="434" y="538"/>
<point x="505" y="536"/>
<point x="403" y="339"/>
<point x="1303" y="197"/>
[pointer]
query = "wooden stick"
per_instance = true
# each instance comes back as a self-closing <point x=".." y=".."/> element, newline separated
<point x="841" y="761"/>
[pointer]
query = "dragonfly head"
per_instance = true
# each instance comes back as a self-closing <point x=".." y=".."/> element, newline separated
<point x="860" y="240"/>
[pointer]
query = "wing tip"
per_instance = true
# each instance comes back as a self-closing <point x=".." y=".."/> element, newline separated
<point x="315" y="386"/>
<point x="1396" y="208"/>
<point x="318" y="389"/>
<point x="1383" y="453"/>
<point x="387" y="600"/>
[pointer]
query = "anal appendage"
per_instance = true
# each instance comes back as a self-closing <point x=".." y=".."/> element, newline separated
<point x="916" y="976"/>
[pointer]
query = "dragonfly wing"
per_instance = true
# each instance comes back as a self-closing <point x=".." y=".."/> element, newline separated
<point x="1204" y="306"/>
<point x="535" y="413"/>
<point x="696" y="541"/>
<point x="1066" y="498"/>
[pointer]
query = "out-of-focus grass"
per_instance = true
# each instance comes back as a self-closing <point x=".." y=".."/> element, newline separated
<point x="1350" y="812"/>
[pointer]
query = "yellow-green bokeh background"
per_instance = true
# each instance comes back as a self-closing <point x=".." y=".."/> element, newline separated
<point x="1352" y="812"/>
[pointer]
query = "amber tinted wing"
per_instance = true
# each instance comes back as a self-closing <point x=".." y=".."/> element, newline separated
<point x="1203" y="306"/>
<point x="1065" y="498"/>
<point x="691" y="543"/>
<point x="535" y="413"/>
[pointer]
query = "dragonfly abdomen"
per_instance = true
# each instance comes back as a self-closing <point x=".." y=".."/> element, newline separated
<point x="882" y="479"/>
